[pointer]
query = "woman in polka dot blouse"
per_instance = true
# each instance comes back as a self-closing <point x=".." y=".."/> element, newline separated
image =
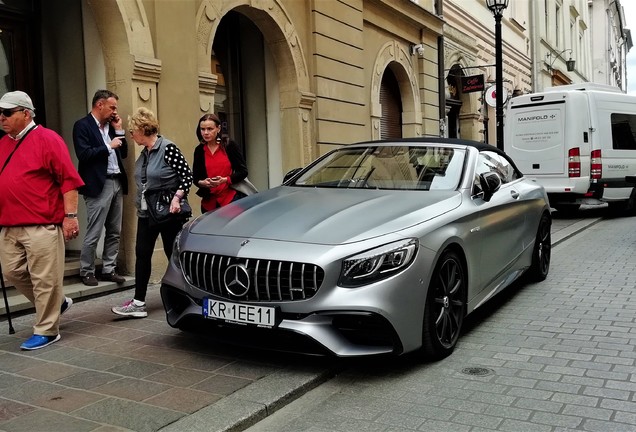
<point x="161" y="166"/>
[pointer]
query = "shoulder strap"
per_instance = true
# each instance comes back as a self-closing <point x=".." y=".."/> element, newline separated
<point x="15" y="148"/>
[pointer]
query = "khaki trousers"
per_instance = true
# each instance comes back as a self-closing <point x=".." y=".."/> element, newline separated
<point x="32" y="260"/>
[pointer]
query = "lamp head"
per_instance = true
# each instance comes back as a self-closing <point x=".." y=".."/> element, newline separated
<point x="497" y="6"/>
<point x="568" y="63"/>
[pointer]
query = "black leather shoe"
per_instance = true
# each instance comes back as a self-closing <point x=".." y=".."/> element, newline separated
<point x="89" y="280"/>
<point x="113" y="277"/>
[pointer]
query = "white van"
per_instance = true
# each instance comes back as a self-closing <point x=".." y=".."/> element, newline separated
<point x="578" y="141"/>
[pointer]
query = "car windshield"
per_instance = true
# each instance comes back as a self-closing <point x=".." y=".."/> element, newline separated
<point x="388" y="167"/>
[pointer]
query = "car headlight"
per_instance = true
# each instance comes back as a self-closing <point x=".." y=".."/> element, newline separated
<point x="176" y="250"/>
<point x="378" y="263"/>
<point x="176" y="246"/>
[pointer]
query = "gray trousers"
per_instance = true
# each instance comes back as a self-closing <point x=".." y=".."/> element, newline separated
<point x="103" y="211"/>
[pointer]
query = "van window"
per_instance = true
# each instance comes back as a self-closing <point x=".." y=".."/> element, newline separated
<point x="623" y="129"/>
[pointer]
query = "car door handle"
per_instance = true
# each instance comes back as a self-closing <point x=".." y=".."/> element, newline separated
<point x="514" y="194"/>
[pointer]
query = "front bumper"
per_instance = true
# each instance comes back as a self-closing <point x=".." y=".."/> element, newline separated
<point x="344" y="333"/>
<point x="381" y="317"/>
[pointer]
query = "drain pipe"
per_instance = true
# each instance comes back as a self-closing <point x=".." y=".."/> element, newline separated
<point x="441" y="82"/>
<point x="534" y="70"/>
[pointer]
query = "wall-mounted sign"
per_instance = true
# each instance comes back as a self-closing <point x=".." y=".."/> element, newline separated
<point x="491" y="95"/>
<point x="472" y="83"/>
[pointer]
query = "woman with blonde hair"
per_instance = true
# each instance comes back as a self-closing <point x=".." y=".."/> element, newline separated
<point x="160" y="167"/>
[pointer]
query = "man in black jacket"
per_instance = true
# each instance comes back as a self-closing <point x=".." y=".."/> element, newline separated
<point x="100" y="146"/>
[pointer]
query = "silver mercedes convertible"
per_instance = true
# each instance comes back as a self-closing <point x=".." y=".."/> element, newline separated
<point x="375" y="248"/>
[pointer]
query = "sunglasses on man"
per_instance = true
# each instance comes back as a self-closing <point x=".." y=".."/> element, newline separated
<point x="10" y="112"/>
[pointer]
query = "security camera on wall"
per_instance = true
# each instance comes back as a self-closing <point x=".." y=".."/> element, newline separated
<point x="417" y="49"/>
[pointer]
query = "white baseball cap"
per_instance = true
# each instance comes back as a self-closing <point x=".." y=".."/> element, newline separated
<point x="16" y="99"/>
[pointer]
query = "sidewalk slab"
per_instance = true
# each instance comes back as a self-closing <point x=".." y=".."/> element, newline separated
<point x="141" y="375"/>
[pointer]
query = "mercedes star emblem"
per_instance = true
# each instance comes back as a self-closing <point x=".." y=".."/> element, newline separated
<point x="237" y="280"/>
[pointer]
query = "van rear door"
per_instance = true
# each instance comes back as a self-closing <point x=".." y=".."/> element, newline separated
<point x="536" y="134"/>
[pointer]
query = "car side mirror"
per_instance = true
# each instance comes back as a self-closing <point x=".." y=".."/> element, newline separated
<point x="291" y="174"/>
<point x="490" y="183"/>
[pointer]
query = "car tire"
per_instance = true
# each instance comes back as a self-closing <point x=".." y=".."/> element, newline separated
<point x="445" y="307"/>
<point x="542" y="251"/>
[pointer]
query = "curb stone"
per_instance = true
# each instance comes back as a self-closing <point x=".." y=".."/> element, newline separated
<point x="251" y="404"/>
<point x="566" y="233"/>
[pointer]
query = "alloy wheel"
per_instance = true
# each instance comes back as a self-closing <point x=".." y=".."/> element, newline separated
<point x="449" y="304"/>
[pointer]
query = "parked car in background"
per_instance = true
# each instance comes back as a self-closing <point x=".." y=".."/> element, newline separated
<point x="579" y="142"/>
<point x="378" y="247"/>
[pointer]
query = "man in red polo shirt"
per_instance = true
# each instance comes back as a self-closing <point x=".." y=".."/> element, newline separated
<point x="38" y="213"/>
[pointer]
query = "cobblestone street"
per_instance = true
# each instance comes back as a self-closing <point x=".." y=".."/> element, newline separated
<point x="554" y="356"/>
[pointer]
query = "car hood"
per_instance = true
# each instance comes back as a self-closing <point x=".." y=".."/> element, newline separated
<point x="324" y="216"/>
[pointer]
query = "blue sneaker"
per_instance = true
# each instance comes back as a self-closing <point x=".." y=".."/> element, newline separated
<point x="66" y="305"/>
<point x="37" y="342"/>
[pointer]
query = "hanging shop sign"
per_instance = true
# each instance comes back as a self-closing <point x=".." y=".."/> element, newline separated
<point x="473" y="83"/>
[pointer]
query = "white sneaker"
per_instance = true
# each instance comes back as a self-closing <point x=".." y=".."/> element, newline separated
<point x="130" y="309"/>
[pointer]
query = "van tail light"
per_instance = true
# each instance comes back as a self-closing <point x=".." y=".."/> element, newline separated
<point x="596" y="171"/>
<point x="574" y="162"/>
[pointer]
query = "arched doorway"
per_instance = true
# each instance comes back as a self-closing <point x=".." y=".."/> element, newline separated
<point x="391" y="101"/>
<point x="265" y="79"/>
<point x="239" y="61"/>
<point x="394" y="94"/>
<point x="453" y="100"/>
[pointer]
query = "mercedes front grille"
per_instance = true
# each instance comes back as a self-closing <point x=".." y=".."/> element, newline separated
<point x="269" y="280"/>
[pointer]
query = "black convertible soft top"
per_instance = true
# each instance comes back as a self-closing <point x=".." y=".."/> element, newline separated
<point x="436" y="140"/>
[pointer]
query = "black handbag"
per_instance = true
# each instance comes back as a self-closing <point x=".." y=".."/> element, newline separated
<point x="158" y="202"/>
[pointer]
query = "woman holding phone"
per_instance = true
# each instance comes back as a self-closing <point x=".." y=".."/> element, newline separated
<point x="218" y="163"/>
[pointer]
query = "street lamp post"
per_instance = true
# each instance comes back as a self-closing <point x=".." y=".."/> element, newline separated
<point x="497" y="7"/>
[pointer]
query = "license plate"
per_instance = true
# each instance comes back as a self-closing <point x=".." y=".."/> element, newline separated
<point x="260" y="316"/>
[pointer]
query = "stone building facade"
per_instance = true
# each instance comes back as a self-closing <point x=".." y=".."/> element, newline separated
<point x="545" y="43"/>
<point x="291" y="79"/>
<point x="469" y="50"/>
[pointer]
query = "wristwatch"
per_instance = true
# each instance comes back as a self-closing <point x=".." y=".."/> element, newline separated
<point x="70" y="215"/>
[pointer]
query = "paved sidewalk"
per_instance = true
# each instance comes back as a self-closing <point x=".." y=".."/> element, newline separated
<point x="109" y="374"/>
<point x="555" y="356"/>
